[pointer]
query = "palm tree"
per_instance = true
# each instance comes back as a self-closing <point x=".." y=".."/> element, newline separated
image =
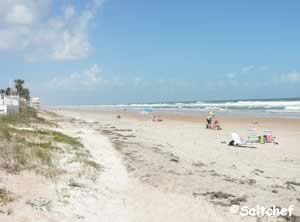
<point x="21" y="91"/>
<point x="19" y="86"/>
<point x="25" y="94"/>
<point x="8" y="91"/>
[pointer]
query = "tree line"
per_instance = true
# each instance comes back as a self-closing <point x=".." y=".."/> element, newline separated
<point x="20" y="90"/>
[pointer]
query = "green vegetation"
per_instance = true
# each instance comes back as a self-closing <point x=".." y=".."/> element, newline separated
<point x="19" y="151"/>
<point x="62" y="138"/>
<point x="21" y="91"/>
<point x="26" y="117"/>
<point x="92" y="164"/>
<point x="27" y="142"/>
<point x="5" y="196"/>
<point x="35" y="148"/>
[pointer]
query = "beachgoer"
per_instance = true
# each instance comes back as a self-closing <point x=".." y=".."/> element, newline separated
<point x="209" y="119"/>
<point x="154" y="118"/>
<point x="159" y="119"/>
<point x="216" y="125"/>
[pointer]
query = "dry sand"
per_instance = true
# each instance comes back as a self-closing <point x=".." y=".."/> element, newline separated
<point x="175" y="170"/>
<point x="178" y="158"/>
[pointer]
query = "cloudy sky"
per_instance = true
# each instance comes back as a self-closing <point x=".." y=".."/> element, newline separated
<point x="116" y="51"/>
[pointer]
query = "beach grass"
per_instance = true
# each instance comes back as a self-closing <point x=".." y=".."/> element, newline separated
<point x="62" y="138"/>
<point x="36" y="148"/>
<point x="5" y="196"/>
<point x="27" y="116"/>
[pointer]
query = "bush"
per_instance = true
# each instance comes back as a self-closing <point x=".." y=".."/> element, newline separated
<point x="13" y="156"/>
<point x="26" y="116"/>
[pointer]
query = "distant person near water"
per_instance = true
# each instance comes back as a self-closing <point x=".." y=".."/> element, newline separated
<point x="211" y="122"/>
<point x="209" y="119"/>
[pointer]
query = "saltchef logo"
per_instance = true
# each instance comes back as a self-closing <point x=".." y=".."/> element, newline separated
<point x="260" y="211"/>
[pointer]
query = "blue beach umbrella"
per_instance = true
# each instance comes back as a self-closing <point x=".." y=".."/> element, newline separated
<point x="148" y="110"/>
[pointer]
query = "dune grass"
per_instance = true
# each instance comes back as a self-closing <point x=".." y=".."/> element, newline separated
<point x="18" y="151"/>
<point x="36" y="148"/>
<point x="5" y="196"/>
<point x="62" y="138"/>
<point x="28" y="142"/>
<point x="26" y="117"/>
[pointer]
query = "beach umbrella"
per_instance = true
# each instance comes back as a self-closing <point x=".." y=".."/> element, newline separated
<point x="148" y="110"/>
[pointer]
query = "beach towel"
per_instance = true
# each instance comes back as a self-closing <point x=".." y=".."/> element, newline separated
<point x="237" y="140"/>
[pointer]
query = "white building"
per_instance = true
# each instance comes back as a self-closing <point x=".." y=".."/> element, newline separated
<point x="35" y="102"/>
<point x="9" y="104"/>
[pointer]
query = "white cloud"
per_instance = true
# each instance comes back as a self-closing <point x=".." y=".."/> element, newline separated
<point x="10" y="41"/>
<point x="247" y="69"/>
<point x="72" y="46"/>
<point x="137" y="80"/>
<point x="69" y="12"/>
<point x="292" y="77"/>
<point x="236" y="79"/>
<point x="47" y="36"/>
<point x="243" y="70"/>
<point x="20" y="14"/>
<point x="263" y="68"/>
<point x="231" y="75"/>
<point x="89" y="78"/>
<point x="16" y="19"/>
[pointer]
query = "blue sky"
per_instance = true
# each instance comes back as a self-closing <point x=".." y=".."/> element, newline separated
<point x="114" y="51"/>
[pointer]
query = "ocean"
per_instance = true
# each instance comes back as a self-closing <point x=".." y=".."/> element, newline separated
<point x="289" y="108"/>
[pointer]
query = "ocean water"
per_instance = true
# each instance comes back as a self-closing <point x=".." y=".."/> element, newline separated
<point x="289" y="108"/>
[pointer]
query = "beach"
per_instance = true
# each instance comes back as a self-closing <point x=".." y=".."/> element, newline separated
<point x="177" y="170"/>
<point x="149" y="111"/>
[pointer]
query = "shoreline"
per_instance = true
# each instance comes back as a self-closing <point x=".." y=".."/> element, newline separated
<point x="186" y="117"/>
<point x="277" y="108"/>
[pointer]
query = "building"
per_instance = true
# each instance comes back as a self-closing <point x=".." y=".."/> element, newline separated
<point x="35" y="102"/>
<point x="9" y="104"/>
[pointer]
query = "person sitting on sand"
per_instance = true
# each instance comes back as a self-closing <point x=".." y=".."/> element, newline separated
<point x="159" y="119"/>
<point x="216" y="125"/>
<point x="154" y="118"/>
<point x="209" y="119"/>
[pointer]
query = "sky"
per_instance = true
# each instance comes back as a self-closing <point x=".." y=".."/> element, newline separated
<point x="72" y="52"/>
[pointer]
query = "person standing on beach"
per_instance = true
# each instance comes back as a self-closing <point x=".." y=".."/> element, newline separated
<point x="209" y="119"/>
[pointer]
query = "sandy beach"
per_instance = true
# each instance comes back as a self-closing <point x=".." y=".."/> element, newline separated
<point x="122" y="166"/>
<point x="176" y="170"/>
<point x="149" y="111"/>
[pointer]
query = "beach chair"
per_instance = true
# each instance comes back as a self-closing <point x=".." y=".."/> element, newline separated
<point x="252" y="136"/>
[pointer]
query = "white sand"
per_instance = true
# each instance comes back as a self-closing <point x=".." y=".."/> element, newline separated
<point x="259" y="175"/>
<point x="162" y="171"/>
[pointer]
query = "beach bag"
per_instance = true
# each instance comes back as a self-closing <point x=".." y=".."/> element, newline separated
<point x="269" y="138"/>
<point x="261" y="139"/>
